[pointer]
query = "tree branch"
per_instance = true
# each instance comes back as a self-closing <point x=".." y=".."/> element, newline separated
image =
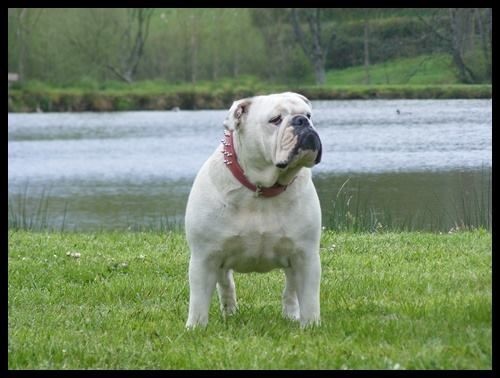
<point x="118" y="73"/>
<point x="434" y="30"/>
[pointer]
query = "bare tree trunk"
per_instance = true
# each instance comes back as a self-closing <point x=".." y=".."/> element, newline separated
<point x="319" y="72"/>
<point x="21" y="43"/>
<point x="215" y="66"/>
<point x="236" y="63"/>
<point x="490" y="24"/>
<point x="482" y="25"/>
<point x="367" y="51"/>
<point x="194" y="57"/>
<point x="25" y="24"/>
<point x="119" y="74"/>
<point x="314" y="50"/>
<point x="457" y="38"/>
<point x="489" y="27"/>
<point x="318" y="56"/>
<point x="271" y="25"/>
<point x="453" y="37"/>
<point x="193" y="46"/>
<point x="472" y="30"/>
<point x="133" y="45"/>
<point x="215" y="51"/>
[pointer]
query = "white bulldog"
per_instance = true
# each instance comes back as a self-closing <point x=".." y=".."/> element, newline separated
<point x="253" y="207"/>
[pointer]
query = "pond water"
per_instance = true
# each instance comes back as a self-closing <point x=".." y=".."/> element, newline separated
<point x="131" y="169"/>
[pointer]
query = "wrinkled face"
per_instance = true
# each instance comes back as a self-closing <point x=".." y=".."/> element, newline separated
<point x="277" y="128"/>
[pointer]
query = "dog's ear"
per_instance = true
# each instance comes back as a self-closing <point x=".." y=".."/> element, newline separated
<point x="236" y="113"/>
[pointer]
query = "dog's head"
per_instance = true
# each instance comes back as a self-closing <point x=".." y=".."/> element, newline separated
<point x="276" y="130"/>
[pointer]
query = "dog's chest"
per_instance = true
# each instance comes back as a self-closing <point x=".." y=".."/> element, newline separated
<point x="255" y="251"/>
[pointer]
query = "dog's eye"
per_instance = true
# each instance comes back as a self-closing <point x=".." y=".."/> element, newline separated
<point x="276" y="120"/>
<point x="308" y="115"/>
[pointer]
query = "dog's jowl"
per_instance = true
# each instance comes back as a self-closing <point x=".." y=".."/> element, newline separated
<point x="253" y="207"/>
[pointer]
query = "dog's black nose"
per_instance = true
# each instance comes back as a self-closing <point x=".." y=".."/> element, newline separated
<point x="299" y="121"/>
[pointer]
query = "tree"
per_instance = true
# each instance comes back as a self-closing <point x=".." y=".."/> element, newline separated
<point x="455" y="29"/>
<point x="132" y="43"/>
<point x="484" y="23"/>
<point x="366" y="48"/>
<point x="312" y="45"/>
<point x="92" y="37"/>
<point x="274" y="27"/>
<point x="113" y="42"/>
<point x="459" y="18"/>
<point x="24" y="26"/>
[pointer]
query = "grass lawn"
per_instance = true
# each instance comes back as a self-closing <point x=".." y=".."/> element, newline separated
<point x="118" y="300"/>
<point x="434" y="69"/>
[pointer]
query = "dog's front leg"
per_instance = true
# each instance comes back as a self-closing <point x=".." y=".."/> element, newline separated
<point x="202" y="279"/>
<point x="307" y="276"/>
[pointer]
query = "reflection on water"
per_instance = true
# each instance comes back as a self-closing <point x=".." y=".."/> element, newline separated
<point x="434" y="201"/>
<point x="114" y="170"/>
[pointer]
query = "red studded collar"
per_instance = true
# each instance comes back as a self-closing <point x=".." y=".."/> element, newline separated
<point x="231" y="161"/>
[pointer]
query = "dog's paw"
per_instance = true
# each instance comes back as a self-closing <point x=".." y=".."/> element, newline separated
<point x="291" y="315"/>
<point x="196" y="322"/>
<point x="229" y="309"/>
<point x="193" y="326"/>
<point x="310" y="323"/>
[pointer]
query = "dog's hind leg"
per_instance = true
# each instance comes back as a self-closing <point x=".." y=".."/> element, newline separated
<point x="307" y="276"/>
<point x="290" y="301"/>
<point x="226" y="291"/>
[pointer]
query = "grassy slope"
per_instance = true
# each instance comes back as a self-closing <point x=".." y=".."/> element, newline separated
<point x="421" y="70"/>
<point x="396" y="300"/>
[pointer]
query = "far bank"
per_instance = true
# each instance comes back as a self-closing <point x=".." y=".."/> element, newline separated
<point x="193" y="98"/>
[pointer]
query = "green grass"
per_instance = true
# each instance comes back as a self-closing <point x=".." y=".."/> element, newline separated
<point x="421" y="70"/>
<point x="389" y="301"/>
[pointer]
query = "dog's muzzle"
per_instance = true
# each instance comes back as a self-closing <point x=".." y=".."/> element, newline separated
<point x="307" y="139"/>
